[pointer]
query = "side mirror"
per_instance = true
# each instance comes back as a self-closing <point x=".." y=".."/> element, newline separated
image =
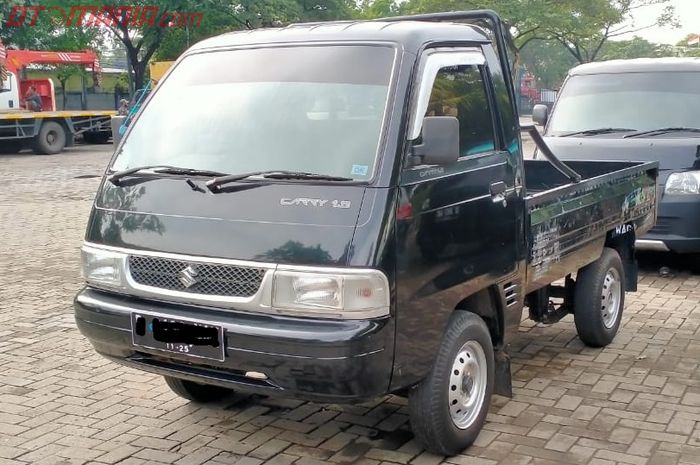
<point x="440" y="141"/>
<point x="540" y="113"/>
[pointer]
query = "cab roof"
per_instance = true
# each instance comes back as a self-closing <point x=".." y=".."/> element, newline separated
<point x="638" y="65"/>
<point x="412" y="35"/>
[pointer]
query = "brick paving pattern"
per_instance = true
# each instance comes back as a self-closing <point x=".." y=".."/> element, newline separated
<point x="635" y="402"/>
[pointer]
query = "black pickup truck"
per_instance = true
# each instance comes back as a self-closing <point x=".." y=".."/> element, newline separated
<point x="344" y="212"/>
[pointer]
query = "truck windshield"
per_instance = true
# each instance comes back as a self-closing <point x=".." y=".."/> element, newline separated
<point x="316" y="109"/>
<point x="637" y="101"/>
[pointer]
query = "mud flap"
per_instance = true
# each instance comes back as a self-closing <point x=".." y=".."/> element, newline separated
<point x="631" y="274"/>
<point x="503" y="384"/>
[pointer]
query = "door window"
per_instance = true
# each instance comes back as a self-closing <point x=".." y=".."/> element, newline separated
<point x="6" y="85"/>
<point x="460" y="91"/>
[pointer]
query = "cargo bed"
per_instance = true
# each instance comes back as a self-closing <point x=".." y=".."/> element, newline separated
<point x="570" y="222"/>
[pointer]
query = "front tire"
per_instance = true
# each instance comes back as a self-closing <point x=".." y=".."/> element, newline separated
<point x="448" y="408"/>
<point x="599" y="299"/>
<point x="196" y="392"/>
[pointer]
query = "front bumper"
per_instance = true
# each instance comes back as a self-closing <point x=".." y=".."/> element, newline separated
<point x="311" y="359"/>
<point x="677" y="226"/>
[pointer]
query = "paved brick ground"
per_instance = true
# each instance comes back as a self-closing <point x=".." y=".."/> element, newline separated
<point x="635" y="402"/>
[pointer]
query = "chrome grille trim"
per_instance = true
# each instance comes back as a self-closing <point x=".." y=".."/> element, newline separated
<point x="212" y="278"/>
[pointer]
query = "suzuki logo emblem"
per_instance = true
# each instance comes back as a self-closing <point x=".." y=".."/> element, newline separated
<point x="188" y="276"/>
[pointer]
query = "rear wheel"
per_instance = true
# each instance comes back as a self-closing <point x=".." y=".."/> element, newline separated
<point x="51" y="138"/>
<point x="599" y="299"/>
<point x="448" y="408"/>
<point x="196" y="392"/>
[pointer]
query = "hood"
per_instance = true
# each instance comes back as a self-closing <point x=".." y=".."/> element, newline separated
<point x="672" y="154"/>
<point x="272" y="222"/>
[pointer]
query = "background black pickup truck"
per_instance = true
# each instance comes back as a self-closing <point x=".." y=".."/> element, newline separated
<point x="639" y="109"/>
<point x="350" y="215"/>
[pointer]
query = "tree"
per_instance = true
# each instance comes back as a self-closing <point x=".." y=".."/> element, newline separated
<point x="634" y="48"/>
<point x="548" y="61"/>
<point x="48" y="31"/>
<point x="219" y="16"/>
<point x="683" y="48"/>
<point x="63" y="74"/>
<point x="176" y="24"/>
<point x="140" y="39"/>
<point x="526" y="20"/>
<point x="591" y="24"/>
<point x="371" y="9"/>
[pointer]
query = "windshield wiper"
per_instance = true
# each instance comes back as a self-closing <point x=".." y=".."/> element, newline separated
<point x="214" y="184"/>
<point x="656" y="132"/>
<point x="594" y="132"/>
<point x="162" y="169"/>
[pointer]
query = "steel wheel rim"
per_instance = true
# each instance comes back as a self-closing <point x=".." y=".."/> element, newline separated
<point x="610" y="298"/>
<point x="467" y="387"/>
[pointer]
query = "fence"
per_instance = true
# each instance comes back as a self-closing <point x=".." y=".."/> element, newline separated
<point x="534" y="96"/>
<point x="94" y="100"/>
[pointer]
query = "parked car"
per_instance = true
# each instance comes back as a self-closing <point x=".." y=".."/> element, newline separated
<point x="343" y="213"/>
<point x="642" y="109"/>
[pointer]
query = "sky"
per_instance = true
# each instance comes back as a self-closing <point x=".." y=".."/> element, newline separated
<point x="688" y="13"/>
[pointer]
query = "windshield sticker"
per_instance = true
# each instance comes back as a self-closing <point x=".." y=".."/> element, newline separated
<point x="359" y="170"/>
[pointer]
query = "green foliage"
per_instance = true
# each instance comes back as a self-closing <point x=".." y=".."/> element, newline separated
<point x="371" y="9"/>
<point x="685" y="50"/>
<point x="525" y="18"/>
<point x="684" y="42"/>
<point x="543" y="31"/>
<point x="548" y="61"/>
<point x="219" y="16"/>
<point x="63" y="73"/>
<point x="634" y="48"/>
<point x="691" y="52"/>
<point x="121" y="86"/>
<point x="588" y="25"/>
<point x="49" y="31"/>
<point x="581" y="27"/>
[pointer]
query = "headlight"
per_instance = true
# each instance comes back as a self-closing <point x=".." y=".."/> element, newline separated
<point x="683" y="183"/>
<point x="362" y="294"/>
<point x="102" y="268"/>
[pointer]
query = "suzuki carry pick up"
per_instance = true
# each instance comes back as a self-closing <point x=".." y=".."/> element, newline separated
<point x="340" y="211"/>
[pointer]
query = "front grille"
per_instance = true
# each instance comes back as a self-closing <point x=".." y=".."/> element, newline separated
<point x="207" y="278"/>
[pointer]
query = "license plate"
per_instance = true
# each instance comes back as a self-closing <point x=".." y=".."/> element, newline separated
<point x="191" y="338"/>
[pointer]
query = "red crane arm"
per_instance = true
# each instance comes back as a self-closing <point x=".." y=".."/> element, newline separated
<point x="18" y="59"/>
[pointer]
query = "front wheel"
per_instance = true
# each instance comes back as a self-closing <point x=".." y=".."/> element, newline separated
<point x="599" y="299"/>
<point x="448" y="408"/>
<point x="196" y="392"/>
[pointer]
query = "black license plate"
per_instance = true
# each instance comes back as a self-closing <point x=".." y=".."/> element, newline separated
<point x="186" y="337"/>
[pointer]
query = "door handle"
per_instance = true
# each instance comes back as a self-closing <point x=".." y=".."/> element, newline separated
<point x="498" y="192"/>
